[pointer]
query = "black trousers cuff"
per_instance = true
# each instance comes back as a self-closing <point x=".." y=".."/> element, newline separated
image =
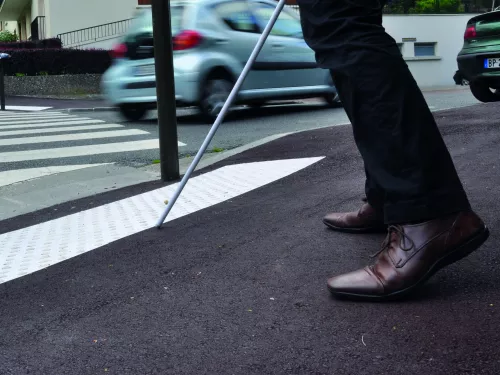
<point x="428" y="208"/>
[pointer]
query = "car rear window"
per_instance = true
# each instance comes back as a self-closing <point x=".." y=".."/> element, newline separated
<point x="143" y="21"/>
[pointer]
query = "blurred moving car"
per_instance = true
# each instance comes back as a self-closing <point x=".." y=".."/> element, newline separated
<point x="212" y="41"/>
<point x="479" y="59"/>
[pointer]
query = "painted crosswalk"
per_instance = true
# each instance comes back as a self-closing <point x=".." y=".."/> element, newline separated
<point x="37" y="144"/>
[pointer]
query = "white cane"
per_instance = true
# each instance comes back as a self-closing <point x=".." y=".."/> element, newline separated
<point x="223" y="111"/>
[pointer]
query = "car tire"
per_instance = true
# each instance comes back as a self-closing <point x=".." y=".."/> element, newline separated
<point x="257" y="104"/>
<point x="483" y="93"/>
<point x="333" y="100"/>
<point x="133" y="112"/>
<point x="215" y="92"/>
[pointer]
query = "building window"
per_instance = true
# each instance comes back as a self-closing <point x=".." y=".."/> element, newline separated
<point x="425" y="49"/>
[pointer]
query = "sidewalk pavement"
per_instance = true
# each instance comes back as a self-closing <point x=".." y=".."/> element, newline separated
<point x="235" y="282"/>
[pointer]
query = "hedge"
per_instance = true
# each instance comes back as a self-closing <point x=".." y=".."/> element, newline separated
<point x="56" y="61"/>
<point x="45" y="43"/>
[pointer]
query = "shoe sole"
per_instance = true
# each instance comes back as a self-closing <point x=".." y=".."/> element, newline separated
<point x="382" y="229"/>
<point x="459" y="253"/>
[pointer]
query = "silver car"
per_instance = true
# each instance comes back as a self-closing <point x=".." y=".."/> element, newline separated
<point x="212" y="41"/>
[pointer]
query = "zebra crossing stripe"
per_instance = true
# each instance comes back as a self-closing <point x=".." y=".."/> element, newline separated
<point x="19" y="175"/>
<point x="59" y="129"/>
<point x="40" y="121"/>
<point x="25" y="108"/>
<point x="71" y="137"/>
<point x="34" y="115"/>
<point x="66" y="152"/>
<point x="47" y="124"/>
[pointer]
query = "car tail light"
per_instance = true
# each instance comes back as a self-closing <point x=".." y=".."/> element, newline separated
<point x="470" y="32"/>
<point x="186" y="40"/>
<point x="119" y="51"/>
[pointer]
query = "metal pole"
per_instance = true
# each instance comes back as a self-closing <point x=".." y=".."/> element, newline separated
<point x="2" y="85"/>
<point x="223" y="111"/>
<point x="165" y="90"/>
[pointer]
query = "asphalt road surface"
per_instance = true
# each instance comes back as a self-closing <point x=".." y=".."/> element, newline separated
<point x="240" y="287"/>
<point x="50" y="157"/>
<point x="246" y="125"/>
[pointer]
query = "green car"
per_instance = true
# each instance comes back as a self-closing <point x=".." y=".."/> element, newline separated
<point x="479" y="59"/>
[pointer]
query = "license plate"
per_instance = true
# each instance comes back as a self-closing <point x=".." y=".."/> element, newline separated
<point x="492" y="63"/>
<point x="145" y="70"/>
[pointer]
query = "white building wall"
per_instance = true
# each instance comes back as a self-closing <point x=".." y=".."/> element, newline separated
<point x="35" y="11"/>
<point x="11" y="26"/>
<point x="446" y="31"/>
<point x="27" y="19"/>
<point x="64" y="15"/>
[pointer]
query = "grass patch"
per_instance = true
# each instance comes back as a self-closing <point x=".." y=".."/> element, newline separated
<point x="156" y="161"/>
<point x="217" y="149"/>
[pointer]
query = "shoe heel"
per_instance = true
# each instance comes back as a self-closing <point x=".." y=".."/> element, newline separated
<point x="469" y="247"/>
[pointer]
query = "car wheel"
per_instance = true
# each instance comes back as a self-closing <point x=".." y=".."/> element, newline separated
<point x="484" y="93"/>
<point x="133" y="112"/>
<point x="257" y="104"/>
<point x="332" y="99"/>
<point x="215" y="93"/>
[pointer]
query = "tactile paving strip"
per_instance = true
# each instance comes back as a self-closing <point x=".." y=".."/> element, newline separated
<point x="31" y="249"/>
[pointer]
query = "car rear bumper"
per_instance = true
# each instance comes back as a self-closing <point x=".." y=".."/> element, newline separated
<point x="121" y="86"/>
<point x="471" y="67"/>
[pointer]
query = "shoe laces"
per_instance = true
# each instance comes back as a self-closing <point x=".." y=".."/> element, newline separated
<point x="402" y="236"/>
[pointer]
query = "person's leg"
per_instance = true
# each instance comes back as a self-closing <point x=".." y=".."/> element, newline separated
<point x="374" y="194"/>
<point x="402" y="148"/>
<point x="368" y="218"/>
<point x="397" y="136"/>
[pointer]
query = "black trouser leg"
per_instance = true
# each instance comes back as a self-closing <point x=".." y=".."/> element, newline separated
<point x="395" y="131"/>
<point x="374" y="194"/>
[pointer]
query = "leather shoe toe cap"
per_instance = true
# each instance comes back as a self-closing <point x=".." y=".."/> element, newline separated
<point x="360" y="282"/>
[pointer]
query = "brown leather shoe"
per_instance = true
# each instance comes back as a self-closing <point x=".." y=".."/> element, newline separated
<point x="410" y="255"/>
<point x="365" y="220"/>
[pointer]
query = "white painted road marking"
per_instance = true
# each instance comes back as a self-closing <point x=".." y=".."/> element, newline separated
<point x="48" y="124"/>
<point x="40" y="121"/>
<point x="24" y="114"/>
<point x="67" y="152"/>
<point x="67" y="129"/>
<point x="11" y="177"/>
<point x="25" y="108"/>
<point x="32" y="115"/>
<point x="31" y="249"/>
<point x="62" y="129"/>
<point x="71" y="137"/>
